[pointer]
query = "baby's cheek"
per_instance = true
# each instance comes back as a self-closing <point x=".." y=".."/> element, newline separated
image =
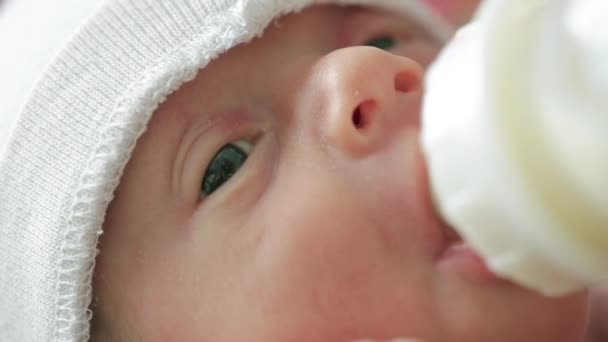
<point x="334" y="282"/>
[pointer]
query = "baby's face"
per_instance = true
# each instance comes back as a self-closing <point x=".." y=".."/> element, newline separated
<point x="281" y="196"/>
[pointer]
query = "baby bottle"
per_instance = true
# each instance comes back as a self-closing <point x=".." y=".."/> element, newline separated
<point x="515" y="132"/>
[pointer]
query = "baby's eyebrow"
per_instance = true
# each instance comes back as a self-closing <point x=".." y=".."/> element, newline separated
<point x="355" y="15"/>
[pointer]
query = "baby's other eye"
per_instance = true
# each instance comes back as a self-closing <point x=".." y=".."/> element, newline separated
<point x="382" y="42"/>
<point x="226" y="162"/>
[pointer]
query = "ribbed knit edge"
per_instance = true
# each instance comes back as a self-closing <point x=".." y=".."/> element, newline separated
<point x="229" y="25"/>
<point x="123" y="129"/>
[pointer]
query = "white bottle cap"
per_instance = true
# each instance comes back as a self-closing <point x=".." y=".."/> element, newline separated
<point x="515" y="131"/>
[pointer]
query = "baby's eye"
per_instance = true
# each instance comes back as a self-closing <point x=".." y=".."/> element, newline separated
<point x="383" y="42"/>
<point x="226" y="162"/>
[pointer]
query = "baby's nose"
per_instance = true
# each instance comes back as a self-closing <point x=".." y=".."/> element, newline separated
<point x="364" y="96"/>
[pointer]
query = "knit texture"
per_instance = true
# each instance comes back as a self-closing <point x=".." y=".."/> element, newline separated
<point x="74" y="137"/>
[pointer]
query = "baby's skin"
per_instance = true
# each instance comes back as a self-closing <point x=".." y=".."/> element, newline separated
<point x="281" y="196"/>
<point x="457" y="12"/>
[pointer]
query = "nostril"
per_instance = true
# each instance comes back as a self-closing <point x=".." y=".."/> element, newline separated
<point x="358" y="118"/>
<point x="407" y="81"/>
<point x="362" y="114"/>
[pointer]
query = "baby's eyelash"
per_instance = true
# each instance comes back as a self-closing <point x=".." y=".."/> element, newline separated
<point x="384" y="42"/>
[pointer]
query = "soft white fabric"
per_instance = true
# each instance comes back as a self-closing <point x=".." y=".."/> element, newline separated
<point x="79" y="124"/>
<point x="23" y="22"/>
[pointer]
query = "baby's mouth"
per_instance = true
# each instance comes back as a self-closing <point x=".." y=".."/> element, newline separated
<point x="450" y="234"/>
<point x="460" y="257"/>
<point x="454" y="254"/>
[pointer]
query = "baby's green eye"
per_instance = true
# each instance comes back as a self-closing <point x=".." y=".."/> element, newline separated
<point x="383" y="42"/>
<point x="227" y="161"/>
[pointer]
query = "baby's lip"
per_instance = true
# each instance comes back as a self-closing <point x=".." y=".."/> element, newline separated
<point x="459" y="256"/>
<point x="450" y="234"/>
<point x="453" y="253"/>
<point x="442" y="232"/>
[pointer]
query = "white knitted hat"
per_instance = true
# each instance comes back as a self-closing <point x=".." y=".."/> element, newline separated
<point x="102" y="68"/>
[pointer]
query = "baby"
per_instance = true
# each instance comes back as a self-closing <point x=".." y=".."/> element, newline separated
<point x="278" y="194"/>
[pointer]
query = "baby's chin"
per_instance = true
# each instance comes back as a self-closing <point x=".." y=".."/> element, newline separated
<point x="478" y="307"/>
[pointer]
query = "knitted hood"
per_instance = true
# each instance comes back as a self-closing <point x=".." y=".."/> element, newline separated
<point x="102" y="68"/>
